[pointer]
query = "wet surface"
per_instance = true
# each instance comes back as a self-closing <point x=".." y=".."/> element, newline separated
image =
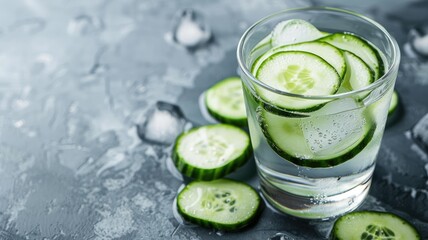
<point x="79" y="83"/>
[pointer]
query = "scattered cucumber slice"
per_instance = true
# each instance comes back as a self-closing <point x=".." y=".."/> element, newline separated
<point x="221" y="204"/>
<point x="299" y="73"/>
<point x="394" y="103"/>
<point x="358" y="74"/>
<point x="225" y="102"/>
<point x="329" y="53"/>
<point x="359" y="47"/>
<point x="212" y="151"/>
<point x="373" y="225"/>
<point x="294" y="31"/>
<point x="319" y="141"/>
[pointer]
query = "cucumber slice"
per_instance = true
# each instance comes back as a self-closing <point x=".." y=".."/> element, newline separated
<point x="221" y="204"/>
<point x="299" y="73"/>
<point x="261" y="47"/>
<point x="318" y="141"/>
<point x="225" y="102"/>
<point x="393" y="104"/>
<point x="211" y="151"/>
<point x="358" y="74"/>
<point x="265" y="42"/>
<point x="359" y="47"/>
<point x="294" y="31"/>
<point x="374" y="225"/>
<point x="329" y="53"/>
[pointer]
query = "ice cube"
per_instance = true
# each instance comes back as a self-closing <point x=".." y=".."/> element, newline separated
<point x="418" y="42"/>
<point x="420" y="132"/>
<point x="282" y="236"/>
<point x="190" y="29"/>
<point x="163" y="124"/>
<point x="333" y="133"/>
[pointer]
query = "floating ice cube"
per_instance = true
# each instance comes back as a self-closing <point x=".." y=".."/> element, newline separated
<point x="163" y="124"/>
<point x="190" y="29"/>
<point x="420" y="132"/>
<point x="333" y="133"/>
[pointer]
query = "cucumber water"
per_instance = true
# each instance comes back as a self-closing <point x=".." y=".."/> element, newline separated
<point x="311" y="147"/>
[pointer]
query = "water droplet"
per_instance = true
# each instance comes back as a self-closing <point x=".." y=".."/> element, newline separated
<point x="19" y="123"/>
<point x="84" y="24"/>
<point x="29" y="26"/>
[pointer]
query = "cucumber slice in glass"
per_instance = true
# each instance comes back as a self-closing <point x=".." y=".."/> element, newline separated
<point x="367" y="225"/>
<point x="294" y="31"/>
<point x="329" y="53"/>
<point x="359" y="47"/>
<point x="211" y="151"/>
<point x="318" y="141"/>
<point x="221" y="204"/>
<point x="394" y="103"/>
<point x="225" y="102"/>
<point x="264" y="43"/>
<point x="358" y="74"/>
<point x="299" y="73"/>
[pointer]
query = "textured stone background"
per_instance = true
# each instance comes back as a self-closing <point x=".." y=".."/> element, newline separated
<point x="77" y="77"/>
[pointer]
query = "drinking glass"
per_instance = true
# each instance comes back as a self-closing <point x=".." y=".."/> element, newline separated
<point x="343" y="136"/>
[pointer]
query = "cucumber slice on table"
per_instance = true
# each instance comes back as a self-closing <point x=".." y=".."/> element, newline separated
<point x="221" y="204"/>
<point x="294" y="31"/>
<point x="299" y="73"/>
<point x="211" y="151"/>
<point x="359" y="47"/>
<point x="225" y="102"/>
<point x="329" y="53"/>
<point x="321" y="141"/>
<point x="358" y="74"/>
<point x="373" y="225"/>
<point x="394" y="103"/>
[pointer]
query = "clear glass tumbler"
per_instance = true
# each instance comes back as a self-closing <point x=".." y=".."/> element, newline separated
<point x="342" y="137"/>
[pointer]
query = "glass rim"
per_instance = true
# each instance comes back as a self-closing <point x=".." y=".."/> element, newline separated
<point x="384" y="78"/>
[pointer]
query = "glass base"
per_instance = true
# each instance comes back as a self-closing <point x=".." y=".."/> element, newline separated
<point x="310" y="207"/>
